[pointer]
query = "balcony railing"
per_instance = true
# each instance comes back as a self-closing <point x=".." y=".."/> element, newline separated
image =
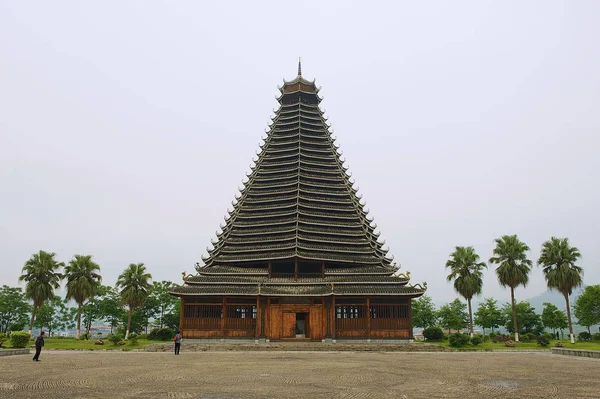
<point x="293" y="276"/>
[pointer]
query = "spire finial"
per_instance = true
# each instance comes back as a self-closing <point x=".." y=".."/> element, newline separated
<point x="299" y="67"/>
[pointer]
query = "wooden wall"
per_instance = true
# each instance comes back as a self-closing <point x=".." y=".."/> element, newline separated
<point x="275" y="318"/>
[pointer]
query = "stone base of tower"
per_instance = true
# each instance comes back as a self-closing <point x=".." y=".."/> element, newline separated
<point x="307" y="318"/>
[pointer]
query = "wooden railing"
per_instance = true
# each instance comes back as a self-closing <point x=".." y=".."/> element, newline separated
<point x="292" y="276"/>
<point x="211" y="317"/>
<point x="379" y="317"/>
<point x="202" y="317"/>
<point x="240" y="317"/>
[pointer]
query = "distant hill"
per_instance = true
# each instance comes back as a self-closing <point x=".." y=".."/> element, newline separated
<point x="553" y="297"/>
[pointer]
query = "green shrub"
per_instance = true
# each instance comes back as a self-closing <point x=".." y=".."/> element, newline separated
<point x="3" y="337"/>
<point x="433" y="333"/>
<point x="143" y="336"/>
<point x="114" y="338"/>
<point x="596" y="337"/>
<point x="132" y="338"/>
<point x="476" y="340"/>
<point x="492" y="335"/>
<point x="166" y="334"/>
<point x="500" y="338"/>
<point x="584" y="336"/>
<point x="19" y="339"/>
<point x="458" y="340"/>
<point x="528" y="337"/>
<point x="549" y="335"/>
<point x="542" y="340"/>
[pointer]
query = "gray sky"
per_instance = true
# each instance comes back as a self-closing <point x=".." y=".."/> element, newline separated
<point x="126" y="127"/>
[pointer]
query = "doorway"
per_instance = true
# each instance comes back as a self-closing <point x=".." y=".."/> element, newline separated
<point x="301" y="325"/>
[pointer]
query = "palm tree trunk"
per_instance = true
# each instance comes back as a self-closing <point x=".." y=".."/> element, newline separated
<point x="470" y="317"/>
<point x="569" y="317"/>
<point x="78" y="321"/>
<point x="32" y="320"/>
<point x="514" y="313"/>
<point x="128" y="322"/>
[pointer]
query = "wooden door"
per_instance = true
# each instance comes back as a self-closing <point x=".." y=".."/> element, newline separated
<point x="275" y="318"/>
<point x="289" y="325"/>
<point x="316" y="325"/>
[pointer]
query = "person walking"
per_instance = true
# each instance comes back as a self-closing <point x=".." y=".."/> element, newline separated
<point x="39" y="342"/>
<point x="177" y="340"/>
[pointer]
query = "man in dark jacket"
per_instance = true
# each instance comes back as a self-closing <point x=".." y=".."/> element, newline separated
<point x="39" y="342"/>
<point x="177" y="340"/>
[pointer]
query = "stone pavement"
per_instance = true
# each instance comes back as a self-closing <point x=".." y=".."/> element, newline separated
<point x="296" y="374"/>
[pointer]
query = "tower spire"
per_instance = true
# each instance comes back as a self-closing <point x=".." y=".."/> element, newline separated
<point x="299" y="67"/>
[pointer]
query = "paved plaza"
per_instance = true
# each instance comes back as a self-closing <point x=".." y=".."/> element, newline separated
<point x="312" y="375"/>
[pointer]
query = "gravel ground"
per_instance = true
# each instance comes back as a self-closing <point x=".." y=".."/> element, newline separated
<point x="83" y="374"/>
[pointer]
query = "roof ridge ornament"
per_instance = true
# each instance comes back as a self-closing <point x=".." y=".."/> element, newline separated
<point x="299" y="66"/>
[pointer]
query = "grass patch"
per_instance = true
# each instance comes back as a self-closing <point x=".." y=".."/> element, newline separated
<point x="487" y="346"/>
<point x="74" y="344"/>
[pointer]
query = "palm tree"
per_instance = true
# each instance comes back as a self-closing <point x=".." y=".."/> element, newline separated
<point x="558" y="261"/>
<point x="134" y="283"/>
<point x="467" y="272"/>
<point x="82" y="281"/>
<point x="513" y="268"/>
<point x="42" y="277"/>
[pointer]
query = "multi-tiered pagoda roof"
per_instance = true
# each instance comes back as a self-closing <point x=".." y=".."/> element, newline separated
<point x="299" y="205"/>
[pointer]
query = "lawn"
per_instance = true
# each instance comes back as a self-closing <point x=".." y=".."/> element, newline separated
<point x="72" y="343"/>
<point x="486" y="346"/>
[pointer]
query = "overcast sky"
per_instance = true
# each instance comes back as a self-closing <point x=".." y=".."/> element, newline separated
<point x="126" y="127"/>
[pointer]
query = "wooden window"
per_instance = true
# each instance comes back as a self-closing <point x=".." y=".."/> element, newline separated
<point x="240" y="317"/>
<point x="389" y="317"/>
<point x="351" y="317"/>
<point x="202" y="317"/>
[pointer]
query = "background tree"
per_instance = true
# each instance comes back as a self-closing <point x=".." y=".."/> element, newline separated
<point x="453" y="316"/>
<point x="166" y="303"/>
<point x="134" y="283"/>
<point x="14" y="309"/>
<point x="466" y="270"/>
<point x="587" y="307"/>
<point x="553" y="318"/>
<point x="110" y="307"/>
<point x="66" y="317"/>
<point x="488" y="315"/>
<point x="513" y="269"/>
<point x="558" y="260"/>
<point x="91" y="311"/>
<point x="149" y="310"/>
<point x="48" y="315"/>
<point x="171" y="320"/>
<point x="82" y="281"/>
<point x="423" y="312"/>
<point x="528" y="320"/>
<point x="42" y="277"/>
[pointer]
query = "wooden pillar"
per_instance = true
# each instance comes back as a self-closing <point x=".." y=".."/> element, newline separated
<point x="410" y="329"/>
<point x="181" y="312"/>
<point x="369" y="317"/>
<point x="257" y="331"/>
<point x="323" y="269"/>
<point x="333" y="316"/>
<point x="296" y="269"/>
<point x="223" y="317"/>
<point x="269" y="267"/>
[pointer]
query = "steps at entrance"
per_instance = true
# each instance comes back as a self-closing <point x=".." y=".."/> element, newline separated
<point x="248" y="346"/>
